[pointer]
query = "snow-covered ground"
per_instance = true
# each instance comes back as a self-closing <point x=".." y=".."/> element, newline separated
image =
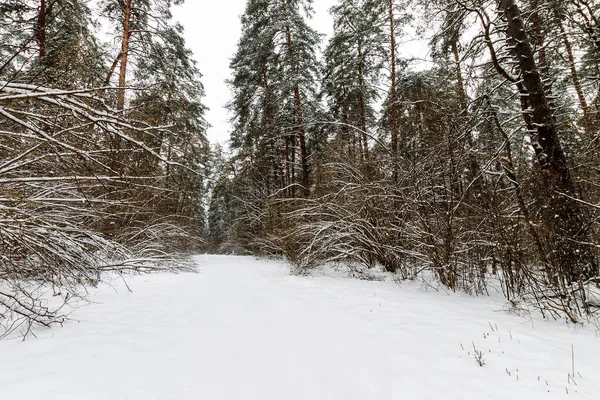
<point x="246" y="329"/>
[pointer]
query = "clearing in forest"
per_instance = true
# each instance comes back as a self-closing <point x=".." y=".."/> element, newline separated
<point x="243" y="328"/>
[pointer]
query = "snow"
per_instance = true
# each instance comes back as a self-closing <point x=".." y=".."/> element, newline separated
<point x="592" y="294"/>
<point x="245" y="329"/>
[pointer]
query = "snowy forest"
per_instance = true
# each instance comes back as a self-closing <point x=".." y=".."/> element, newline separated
<point x="103" y="154"/>
<point x="480" y="165"/>
<point x="476" y="166"/>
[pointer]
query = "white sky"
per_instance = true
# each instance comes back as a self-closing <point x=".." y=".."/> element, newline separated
<point x="212" y="30"/>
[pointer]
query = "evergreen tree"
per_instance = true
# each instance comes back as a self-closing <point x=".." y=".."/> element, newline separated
<point x="36" y="35"/>
<point x="484" y="162"/>
<point x="95" y="180"/>
<point x="353" y="61"/>
<point x="173" y="98"/>
<point x="274" y="83"/>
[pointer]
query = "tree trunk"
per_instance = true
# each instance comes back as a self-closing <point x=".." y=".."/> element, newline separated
<point x="288" y="174"/>
<point x="281" y="171"/>
<point x="564" y="219"/>
<point x="574" y="76"/>
<point x="117" y="143"/>
<point x="511" y="175"/>
<point x="475" y="175"/>
<point x="298" y="113"/>
<point x="539" y="42"/>
<point x="124" y="54"/>
<point x="112" y="69"/>
<point x="462" y="97"/>
<point x="347" y="144"/>
<point x="363" y="117"/>
<point x="302" y="137"/>
<point x="271" y="130"/>
<point x="42" y="29"/>
<point x="590" y="21"/>
<point x="293" y="163"/>
<point x="394" y="118"/>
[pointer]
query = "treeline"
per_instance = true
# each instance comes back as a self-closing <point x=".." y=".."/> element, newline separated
<point x="103" y="153"/>
<point x="483" y="166"/>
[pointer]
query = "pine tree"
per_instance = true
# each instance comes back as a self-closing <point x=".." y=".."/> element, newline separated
<point x="136" y="24"/>
<point x="173" y="98"/>
<point x="564" y="216"/>
<point x="275" y="70"/>
<point x="274" y="85"/>
<point x="353" y="60"/>
<point x="35" y="37"/>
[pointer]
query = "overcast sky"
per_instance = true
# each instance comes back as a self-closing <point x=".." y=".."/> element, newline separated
<point x="212" y="30"/>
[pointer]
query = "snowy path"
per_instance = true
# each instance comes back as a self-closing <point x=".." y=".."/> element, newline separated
<point x="245" y="329"/>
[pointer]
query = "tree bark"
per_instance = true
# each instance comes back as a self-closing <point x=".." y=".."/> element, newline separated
<point x="288" y="173"/>
<point x="347" y="144"/>
<point x="394" y="118"/>
<point x="564" y="218"/>
<point x="302" y="137"/>
<point x="117" y="142"/>
<point x="42" y="29"/>
<point x="124" y="55"/>
<point x="511" y="175"/>
<point x="271" y="129"/>
<point x="462" y="97"/>
<point x="363" y="117"/>
<point x="539" y="42"/>
<point x="298" y="113"/>
<point x="591" y="23"/>
<point x="574" y="75"/>
<point x="112" y="69"/>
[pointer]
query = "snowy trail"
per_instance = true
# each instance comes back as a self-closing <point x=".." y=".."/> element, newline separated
<point x="245" y="329"/>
